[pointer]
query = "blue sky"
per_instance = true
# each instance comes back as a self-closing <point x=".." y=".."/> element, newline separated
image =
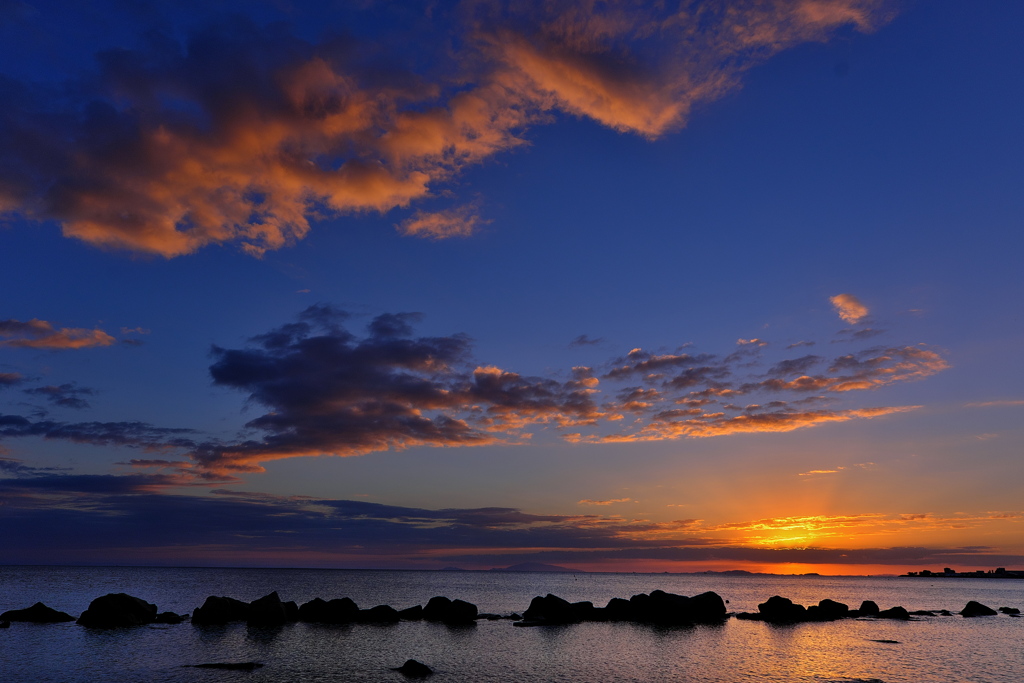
<point x="873" y="150"/>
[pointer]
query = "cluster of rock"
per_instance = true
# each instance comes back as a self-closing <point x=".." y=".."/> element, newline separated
<point x="115" y="610"/>
<point x="658" y="607"/>
<point x="270" y="610"/>
<point x="779" y="610"/>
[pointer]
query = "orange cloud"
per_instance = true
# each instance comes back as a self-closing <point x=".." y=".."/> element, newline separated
<point x="849" y="308"/>
<point x="248" y="135"/>
<point x="587" y="501"/>
<point x="462" y="221"/>
<point x="40" y="334"/>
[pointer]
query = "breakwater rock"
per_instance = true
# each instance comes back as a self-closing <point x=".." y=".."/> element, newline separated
<point x="780" y="610"/>
<point x="120" y="610"/>
<point x="658" y="607"/>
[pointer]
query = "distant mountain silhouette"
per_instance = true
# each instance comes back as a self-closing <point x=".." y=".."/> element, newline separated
<point x="536" y="567"/>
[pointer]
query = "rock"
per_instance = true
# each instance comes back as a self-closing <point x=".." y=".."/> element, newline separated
<point x="707" y="608"/>
<point x="381" y="614"/>
<point x="883" y="640"/>
<point x="411" y="613"/>
<point x="414" y="669"/>
<point x="440" y="608"/>
<point x="549" y="610"/>
<point x="337" y="611"/>
<point x="168" y="618"/>
<point x="269" y="611"/>
<point x="922" y="613"/>
<point x="828" y="610"/>
<point x="781" y="610"/>
<point x="229" y="666"/>
<point x="976" y="609"/>
<point x="750" y="616"/>
<point x="894" y="613"/>
<point x="1004" y="610"/>
<point x="618" y="609"/>
<point x="37" y="614"/>
<point x="220" y="610"/>
<point x="868" y="608"/>
<point x="118" y="610"/>
<point x="5" y="624"/>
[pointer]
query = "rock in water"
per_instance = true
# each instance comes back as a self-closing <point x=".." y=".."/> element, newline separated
<point x="868" y="608"/>
<point x="894" y="613"/>
<point x="440" y="608"/>
<point x="976" y="609"/>
<point x="118" y="610"/>
<point x="220" y="611"/>
<point x="5" y="624"/>
<point x="268" y="611"/>
<point x="36" y="614"/>
<point x="414" y="669"/>
<point x="1005" y="610"/>
<point x="781" y="610"/>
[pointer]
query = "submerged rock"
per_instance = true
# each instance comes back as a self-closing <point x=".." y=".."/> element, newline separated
<point x="118" y="610"/>
<point x="228" y="666"/>
<point x="976" y="609"/>
<point x="36" y="614"/>
<point x="1004" y="610"/>
<point x="169" y="618"/>
<point x="414" y="669"/>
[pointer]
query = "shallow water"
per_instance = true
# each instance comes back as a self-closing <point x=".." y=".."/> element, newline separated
<point x="930" y="649"/>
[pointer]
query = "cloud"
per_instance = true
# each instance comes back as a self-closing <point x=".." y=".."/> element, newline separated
<point x="324" y="390"/>
<point x="849" y="308"/>
<point x="40" y="334"/>
<point x="328" y="391"/>
<point x="64" y="395"/>
<point x="992" y="404"/>
<point x="123" y="518"/>
<point x="129" y="434"/>
<point x="9" y="379"/>
<point x="613" y="501"/>
<point x="461" y="221"/>
<point x="245" y="134"/>
<point x="584" y="340"/>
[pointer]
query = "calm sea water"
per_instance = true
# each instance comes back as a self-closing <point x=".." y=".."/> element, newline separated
<point x="939" y="649"/>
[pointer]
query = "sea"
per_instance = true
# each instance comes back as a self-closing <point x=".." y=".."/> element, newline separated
<point x="949" y="649"/>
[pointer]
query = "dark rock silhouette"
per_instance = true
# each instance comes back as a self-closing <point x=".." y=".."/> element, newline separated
<point x="228" y="666"/>
<point x="414" y="669"/>
<point x="440" y="608"/>
<point x="37" y="614"/>
<point x="658" y="607"/>
<point x="976" y="609"/>
<point x="883" y="640"/>
<point x="894" y="613"/>
<point x="828" y="610"/>
<point x="868" y="608"/>
<point x="411" y="613"/>
<point x="5" y="624"/>
<point x="1004" y="610"/>
<point x="220" y="610"/>
<point x="118" y="610"/>
<point x="337" y="611"/>
<point x="780" y="610"/>
<point x="271" y="611"/>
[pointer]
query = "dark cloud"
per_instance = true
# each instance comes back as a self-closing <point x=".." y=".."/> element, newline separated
<point x="584" y="340"/>
<point x="64" y="395"/>
<point x="858" y="335"/>
<point x="9" y="379"/>
<point x="330" y="392"/>
<point x="123" y="518"/>
<point x="130" y="434"/>
<point x="794" y="366"/>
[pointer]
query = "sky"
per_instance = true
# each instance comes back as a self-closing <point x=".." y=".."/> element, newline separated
<point x="612" y="285"/>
